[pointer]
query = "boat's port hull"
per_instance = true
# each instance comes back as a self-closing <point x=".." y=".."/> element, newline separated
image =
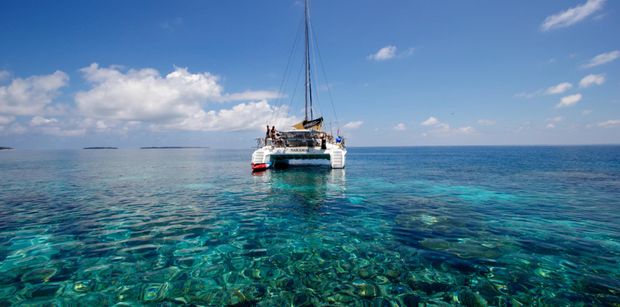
<point x="257" y="167"/>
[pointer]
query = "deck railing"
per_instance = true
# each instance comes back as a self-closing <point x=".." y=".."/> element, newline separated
<point x="294" y="140"/>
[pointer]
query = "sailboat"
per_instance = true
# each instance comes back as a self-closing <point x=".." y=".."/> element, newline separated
<point x="306" y="139"/>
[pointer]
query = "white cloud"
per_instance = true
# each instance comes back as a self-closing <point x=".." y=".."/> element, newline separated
<point x="590" y="80"/>
<point x="486" y="122"/>
<point x="610" y="123"/>
<point x="390" y="52"/>
<point x="244" y="116"/>
<point x="30" y="96"/>
<point x="572" y="15"/>
<point x="558" y="89"/>
<point x="143" y="94"/>
<point x="250" y="95"/>
<point x="602" y="58"/>
<point x="552" y="122"/>
<point x="431" y="121"/>
<point x="586" y="112"/>
<point x="41" y="121"/>
<point x="528" y="95"/>
<point x="568" y="101"/>
<point x="5" y="120"/>
<point x="466" y="130"/>
<point x="57" y="131"/>
<point x="173" y="101"/>
<point x="446" y="129"/>
<point x="556" y="119"/>
<point x="4" y="75"/>
<point x="58" y="109"/>
<point x="443" y="128"/>
<point x="552" y="90"/>
<point x="400" y="127"/>
<point x="353" y="124"/>
<point x="385" y="53"/>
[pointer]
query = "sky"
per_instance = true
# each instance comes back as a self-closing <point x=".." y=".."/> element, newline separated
<point x="396" y="73"/>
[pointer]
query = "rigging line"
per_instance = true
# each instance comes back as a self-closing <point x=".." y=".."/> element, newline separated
<point x="316" y="74"/>
<point x="306" y="62"/>
<point x="286" y="75"/>
<point x="290" y="104"/>
<point x="322" y="64"/>
<point x="308" y="97"/>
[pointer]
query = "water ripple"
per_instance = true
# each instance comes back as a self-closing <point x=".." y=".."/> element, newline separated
<point x="466" y="225"/>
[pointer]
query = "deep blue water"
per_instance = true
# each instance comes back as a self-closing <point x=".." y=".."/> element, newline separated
<point x="504" y="226"/>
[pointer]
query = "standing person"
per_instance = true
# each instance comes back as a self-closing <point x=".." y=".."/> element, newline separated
<point x="267" y="134"/>
<point x="273" y="131"/>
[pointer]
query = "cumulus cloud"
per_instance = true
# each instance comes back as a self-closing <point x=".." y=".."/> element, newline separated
<point x="400" y="127"/>
<point x="42" y="121"/>
<point x="244" y="116"/>
<point x="143" y="94"/>
<point x="568" y="101"/>
<point x="552" y="90"/>
<point x="444" y="128"/>
<point x="5" y="120"/>
<point x="559" y="88"/>
<point x="58" y="131"/>
<point x="602" y="58"/>
<point x="431" y="121"/>
<point x="390" y="52"/>
<point x="385" y="53"/>
<point x="30" y="96"/>
<point x="173" y="101"/>
<point x="466" y="130"/>
<point x="353" y="125"/>
<point x="610" y="123"/>
<point x="552" y="122"/>
<point x="528" y="95"/>
<point x="592" y="79"/>
<point x="486" y="122"/>
<point x="249" y="95"/>
<point x="4" y="75"/>
<point x="572" y="15"/>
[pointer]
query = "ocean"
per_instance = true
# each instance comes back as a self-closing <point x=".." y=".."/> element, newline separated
<point x="401" y="226"/>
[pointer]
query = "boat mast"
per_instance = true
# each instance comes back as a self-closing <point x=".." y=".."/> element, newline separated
<point x="308" y="97"/>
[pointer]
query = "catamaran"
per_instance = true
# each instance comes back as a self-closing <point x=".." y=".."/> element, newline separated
<point x="306" y="140"/>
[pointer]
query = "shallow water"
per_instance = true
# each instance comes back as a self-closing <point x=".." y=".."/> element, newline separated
<point x="474" y="226"/>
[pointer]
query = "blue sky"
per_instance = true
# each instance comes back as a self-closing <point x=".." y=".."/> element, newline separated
<point x="209" y="73"/>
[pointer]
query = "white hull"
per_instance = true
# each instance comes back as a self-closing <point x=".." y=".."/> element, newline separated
<point x="271" y="155"/>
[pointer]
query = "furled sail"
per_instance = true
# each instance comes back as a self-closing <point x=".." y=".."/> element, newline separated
<point x="314" y="124"/>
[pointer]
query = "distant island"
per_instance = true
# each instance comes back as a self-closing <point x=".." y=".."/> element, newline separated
<point x="5" y="148"/>
<point x="100" y="147"/>
<point x="172" y="147"/>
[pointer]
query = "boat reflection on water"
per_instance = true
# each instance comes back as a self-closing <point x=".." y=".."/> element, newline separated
<point x="310" y="185"/>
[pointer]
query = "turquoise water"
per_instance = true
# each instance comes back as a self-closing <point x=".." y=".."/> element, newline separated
<point x="503" y="226"/>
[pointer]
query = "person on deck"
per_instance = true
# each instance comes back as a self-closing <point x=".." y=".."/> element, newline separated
<point x="273" y="131"/>
<point x="267" y="134"/>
